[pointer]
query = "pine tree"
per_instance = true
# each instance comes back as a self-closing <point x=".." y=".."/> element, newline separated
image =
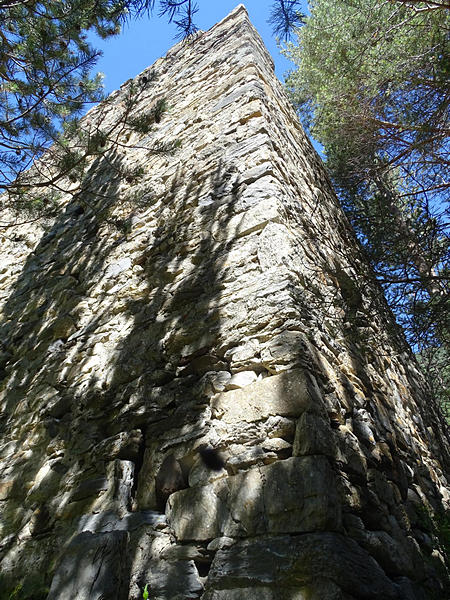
<point x="371" y="85"/>
<point x="45" y="85"/>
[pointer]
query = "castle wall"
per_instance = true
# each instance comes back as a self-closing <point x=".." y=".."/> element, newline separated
<point x="214" y="295"/>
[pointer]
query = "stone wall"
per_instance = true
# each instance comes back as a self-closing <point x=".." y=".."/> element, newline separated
<point x="213" y="302"/>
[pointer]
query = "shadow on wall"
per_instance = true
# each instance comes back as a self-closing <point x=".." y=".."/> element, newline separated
<point x="42" y="404"/>
<point x="118" y="340"/>
<point x="87" y="438"/>
<point x="68" y="419"/>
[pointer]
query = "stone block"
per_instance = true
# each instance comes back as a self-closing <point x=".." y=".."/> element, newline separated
<point x="255" y="455"/>
<point x="296" y="494"/>
<point x="201" y="474"/>
<point x="6" y="489"/>
<point x="287" y="394"/>
<point x="247" y="593"/>
<point x="104" y="522"/>
<point x="300" y="495"/>
<point x="199" y="513"/>
<point x="313" y="435"/>
<point x="395" y="557"/>
<point x="88" y="488"/>
<point x="46" y="482"/>
<point x="302" y="562"/>
<point x="283" y="350"/>
<point x="124" y="445"/>
<point x="241" y="380"/>
<point x="350" y="455"/>
<point x="172" y="580"/>
<point x="92" y="567"/>
<point x="255" y="219"/>
<point x="319" y="590"/>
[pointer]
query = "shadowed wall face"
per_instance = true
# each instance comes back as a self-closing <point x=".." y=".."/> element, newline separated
<point x="201" y="387"/>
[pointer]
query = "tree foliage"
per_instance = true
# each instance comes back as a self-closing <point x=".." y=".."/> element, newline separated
<point x="371" y="85"/>
<point x="284" y="17"/>
<point x="45" y="63"/>
<point x="46" y="81"/>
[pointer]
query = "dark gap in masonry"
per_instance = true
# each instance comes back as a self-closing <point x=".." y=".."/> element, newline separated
<point x="138" y="462"/>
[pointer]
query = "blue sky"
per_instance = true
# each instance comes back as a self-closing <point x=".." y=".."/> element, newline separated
<point x="143" y="41"/>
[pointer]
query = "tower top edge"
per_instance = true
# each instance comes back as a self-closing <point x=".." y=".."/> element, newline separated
<point x="239" y="11"/>
<point x="238" y="14"/>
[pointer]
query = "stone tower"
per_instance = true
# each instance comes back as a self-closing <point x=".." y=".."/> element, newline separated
<point x="201" y="386"/>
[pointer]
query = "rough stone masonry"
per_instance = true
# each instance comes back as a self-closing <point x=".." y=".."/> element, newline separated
<point x="213" y="298"/>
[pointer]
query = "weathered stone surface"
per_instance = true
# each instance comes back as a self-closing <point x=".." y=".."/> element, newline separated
<point x="92" y="568"/>
<point x="221" y="542"/>
<point x="109" y="521"/>
<point x="88" y="488"/>
<point x="168" y="480"/>
<point x="124" y="445"/>
<point x="278" y="445"/>
<point x="287" y="394"/>
<point x="129" y="317"/>
<point x="6" y="489"/>
<point x="247" y="593"/>
<point x="200" y="474"/>
<point x="296" y="495"/>
<point x="395" y="558"/>
<point x="300" y="495"/>
<point x="251" y="456"/>
<point x="241" y="380"/>
<point x="302" y="561"/>
<point x="313" y="435"/>
<point x="320" y="590"/>
<point x="217" y="380"/>
<point x="172" y="580"/>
